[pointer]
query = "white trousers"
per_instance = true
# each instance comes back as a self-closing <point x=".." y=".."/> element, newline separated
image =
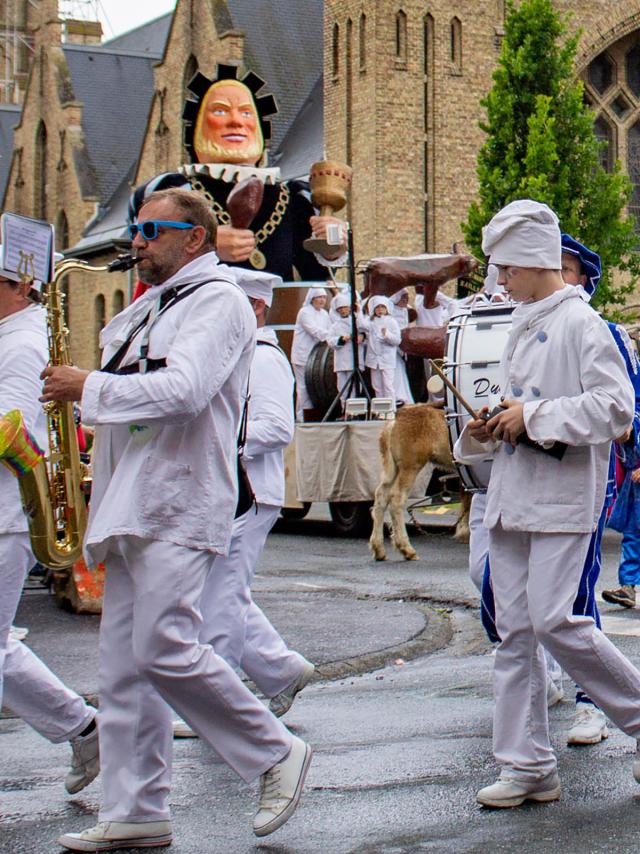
<point x="402" y="388"/>
<point x="149" y="654"/>
<point x="232" y="622"/>
<point x="303" y="401"/>
<point x="478" y="539"/>
<point x="382" y="380"/>
<point x="30" y="689"/>
<point x="535" y="582"/>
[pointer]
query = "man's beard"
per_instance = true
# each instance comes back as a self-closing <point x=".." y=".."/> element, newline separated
<point x="153" y="273"/>
<point x="251" y="152"/>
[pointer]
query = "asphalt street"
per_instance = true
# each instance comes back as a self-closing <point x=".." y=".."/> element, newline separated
<point x="400" y="720"/>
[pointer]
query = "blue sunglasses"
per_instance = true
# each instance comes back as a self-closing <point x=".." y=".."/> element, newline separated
<point x="149" y="229"/>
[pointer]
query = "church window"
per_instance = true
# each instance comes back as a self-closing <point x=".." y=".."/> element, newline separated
<point x="62" y="231"/>
<point x="335" y="66"/>
<point x="601" y="73"/>
<point x="632" y="65"/>
<point x="363" y="42"/>
<point x="99" y="319"/>
<point x="456" y="45"/>
<point x="401" y="38"/>
<point x="40" y="173"/>
<point x="118" y="302"/>
<point x="604" y="134"/>
<point x="190" y="68"/>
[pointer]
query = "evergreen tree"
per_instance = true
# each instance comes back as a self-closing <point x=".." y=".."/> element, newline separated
<point x="541" y="145"/>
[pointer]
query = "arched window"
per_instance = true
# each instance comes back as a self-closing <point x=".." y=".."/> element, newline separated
<point x="40" y="173"/>
<point x="633" y="167"/>
<point x="335" y="51"/>
<point x="456" y="45"/>
<point x="190" y="68"/>
<point x="117" y="302"/>
<point x="363" y="42"/>
<point x="62" y="232"/>
<point x="604" y="134"/>
<point x="99" y="320"/>
<point x="401" y="38"/>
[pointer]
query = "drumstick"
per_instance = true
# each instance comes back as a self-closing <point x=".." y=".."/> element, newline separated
<point x="445" y="379"/>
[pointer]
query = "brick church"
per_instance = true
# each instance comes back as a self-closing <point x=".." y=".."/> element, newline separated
<point x="391" y="86"/>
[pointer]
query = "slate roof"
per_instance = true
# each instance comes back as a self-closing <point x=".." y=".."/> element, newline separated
<point x="304" y="141"/>
<point x="9" y="118"/>
<point x="148" y="38"/>
<point x="115" y="88"/>
<point x="284" y="46"/>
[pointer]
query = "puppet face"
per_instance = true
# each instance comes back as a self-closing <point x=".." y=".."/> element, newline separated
<point x="228" y="128"/>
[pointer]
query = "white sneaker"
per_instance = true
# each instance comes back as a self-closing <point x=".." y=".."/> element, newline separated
<point x="280" y="789"/>
<point x="282" y="702"/>
<point x="555" y="693"/>
<point x="111" y="835"/>
<point x="183" y="730"/>
<point x="18" y="632"/>
<point x="636" y="762"/>
<point x="85" y="761"/>
<point x="509" y="792"/>
<point x="589" y="725"/>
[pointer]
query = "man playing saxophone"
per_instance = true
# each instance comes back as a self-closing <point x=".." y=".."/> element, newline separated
<point x="31" y="690"/>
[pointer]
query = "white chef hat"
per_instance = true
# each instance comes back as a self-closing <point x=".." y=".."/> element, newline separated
<point x="524" y="234"/>
<point x="257" y="283"/>
<point x="312" y="293"/>
<point x="374" y="302"/>
<point x="403" y="292"/>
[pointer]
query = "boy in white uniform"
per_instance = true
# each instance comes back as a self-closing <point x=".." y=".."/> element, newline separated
<point x="541" y="511"/>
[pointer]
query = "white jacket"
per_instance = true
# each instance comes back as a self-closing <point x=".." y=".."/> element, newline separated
<point x="563" y="364"/>
<point x="439" y="315"/>
<point x="23" y="356"/>
<point x="381" y="349"/>
<point x="312" y="325"/>
<point x="271" y="422"/>
<point x="164" y="461"/>
<point x="343" y="353"/>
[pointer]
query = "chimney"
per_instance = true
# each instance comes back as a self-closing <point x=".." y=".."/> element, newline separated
<point x="82" y="32"/>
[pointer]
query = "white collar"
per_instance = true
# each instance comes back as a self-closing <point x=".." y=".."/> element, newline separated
<point x="231" y="173"/>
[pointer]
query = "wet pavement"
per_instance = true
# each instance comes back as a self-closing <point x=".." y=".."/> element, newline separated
<point x="399" y="750"/>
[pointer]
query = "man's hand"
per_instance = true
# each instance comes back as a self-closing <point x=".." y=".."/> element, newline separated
<point x="509" y="424"/>
<point x="62" y="383"/>
<point x="234" y="244"/>
<point x="478" y="428"/>
<point x="319" y="228"/>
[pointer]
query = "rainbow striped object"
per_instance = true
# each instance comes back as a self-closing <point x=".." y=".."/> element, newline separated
<point x="19" y="451"/>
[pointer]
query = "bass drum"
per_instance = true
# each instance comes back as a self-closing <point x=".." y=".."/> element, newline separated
<point x="475" y="342"/>
<point x="320" y="377"/>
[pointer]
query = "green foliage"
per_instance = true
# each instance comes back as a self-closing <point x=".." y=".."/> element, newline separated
<point x="540" y="144"/>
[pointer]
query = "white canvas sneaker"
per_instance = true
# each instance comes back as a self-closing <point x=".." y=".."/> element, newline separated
<point x="111" y="835"/>
<point x="555" y="692"/>
<point x="509" y="792"/>
<point x="282" y="702"/>
<point x="85" y="761"/>
<point x="589" y="725"/>
<point x="280" y="789"/>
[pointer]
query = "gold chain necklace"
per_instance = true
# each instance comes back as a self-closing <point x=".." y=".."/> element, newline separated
<point x="257" y="258"/>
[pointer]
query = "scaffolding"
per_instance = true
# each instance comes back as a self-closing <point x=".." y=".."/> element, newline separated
<point x="16" y="47"/>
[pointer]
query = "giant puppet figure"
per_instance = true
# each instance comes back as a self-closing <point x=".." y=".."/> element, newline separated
<point x="226" y="127"/>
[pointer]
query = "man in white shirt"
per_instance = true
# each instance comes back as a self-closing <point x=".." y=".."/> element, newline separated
<point x="27" y="686"/>
<point x="542" y="510"/>
<point x="166" y="408"/>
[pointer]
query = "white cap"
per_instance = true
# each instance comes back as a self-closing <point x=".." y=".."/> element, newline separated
<point x="374" y="302"/>
<point x="524" y="234"/>
<point x="312" y="293"/>
<point x="257" y="284"/>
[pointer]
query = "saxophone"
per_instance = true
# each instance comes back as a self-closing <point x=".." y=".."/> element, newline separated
<point x="51" y="485"/>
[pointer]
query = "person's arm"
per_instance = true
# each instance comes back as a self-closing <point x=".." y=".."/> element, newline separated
<point x="312" y="325"/>
<point x="21" y="364"/>
<point x="393" y="336"/>
<point x="605" y="408"/>
<point x="271" y="420"/>
<point x="206" y="349"/>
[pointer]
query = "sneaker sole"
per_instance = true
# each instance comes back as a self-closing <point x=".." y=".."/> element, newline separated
<point x="596" y="739"/>
<point x="282" y="708"/>
<point x="538" y="797"/>
<point x="613" y="600"/>
<point x="115" y="844"/>
<point x="286" y="813"/>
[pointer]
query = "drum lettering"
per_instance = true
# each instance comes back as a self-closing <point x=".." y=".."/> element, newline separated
<point x="481" y="386"/>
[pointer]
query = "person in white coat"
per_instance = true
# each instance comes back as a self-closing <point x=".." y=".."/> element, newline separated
<point x="232" y="623"/>
<point x="27" y="686"/>
<point x="383" y="338"/>
<point x="166" y="407"/>
<point x="339" y="339"/>
<point x="541" y="511"/>
<point x="312" y="326"/>
<point x="400" y="313"/>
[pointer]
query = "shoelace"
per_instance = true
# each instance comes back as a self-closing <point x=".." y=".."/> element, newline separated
<point x="269" y="787"/>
